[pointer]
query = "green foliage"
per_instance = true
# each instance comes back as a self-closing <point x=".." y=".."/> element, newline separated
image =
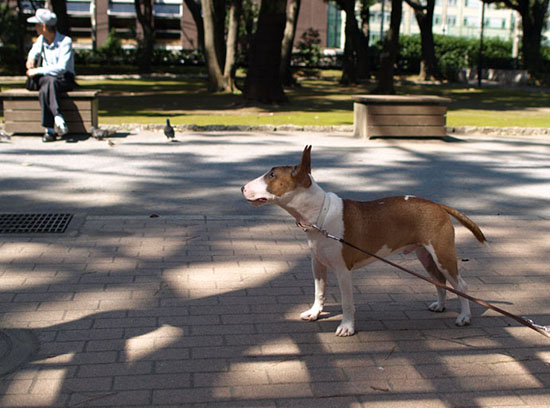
<point x="125" y="61"/>
<point x="452" y="54"/>
<point x="247" y="29"/>
<point x="457" y="53"/>
<point x="10" y="34"/>
<point x="112" y="48"/>
<point x="9" y="28"/>
<point x="309" y="48"/>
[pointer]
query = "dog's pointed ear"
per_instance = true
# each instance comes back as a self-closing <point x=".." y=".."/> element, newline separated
<point x="305" y="163"/>
<point x="303" y="170"/>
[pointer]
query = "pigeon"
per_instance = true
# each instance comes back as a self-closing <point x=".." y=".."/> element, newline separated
<point x="169" y="130"/>
<point x="98" y="133"/>
<point x="4" y="135"/>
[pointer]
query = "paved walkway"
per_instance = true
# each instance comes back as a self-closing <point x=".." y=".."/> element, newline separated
<point x="199" y="306"/>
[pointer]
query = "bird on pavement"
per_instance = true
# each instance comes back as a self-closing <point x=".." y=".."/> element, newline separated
<point x="98" y="133"/>
<point x="4" y="136"/>
<point x="169" y="131"/>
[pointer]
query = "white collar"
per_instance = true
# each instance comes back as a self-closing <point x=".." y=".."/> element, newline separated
<point x="324" y="211"/>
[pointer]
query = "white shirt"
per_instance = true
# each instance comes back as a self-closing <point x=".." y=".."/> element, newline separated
<point x="57" y="57"/>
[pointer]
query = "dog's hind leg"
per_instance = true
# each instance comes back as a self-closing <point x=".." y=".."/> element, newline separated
<point x="427" y="261"/>
<point x="320" y="279"/>
<point x="444" y="256"/>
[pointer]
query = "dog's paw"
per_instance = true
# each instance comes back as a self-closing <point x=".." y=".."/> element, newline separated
<point x="436" y="307"/>
<point x="311" y="314"/>
<point x="463" y="319"/>
<point x="345" y="329"/>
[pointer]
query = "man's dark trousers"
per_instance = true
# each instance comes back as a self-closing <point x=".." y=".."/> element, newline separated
<point x="50" y="89"/>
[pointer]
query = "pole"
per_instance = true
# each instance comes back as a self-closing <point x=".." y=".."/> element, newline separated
<point x="382" y="22"/>
<point x="480" y="56"/>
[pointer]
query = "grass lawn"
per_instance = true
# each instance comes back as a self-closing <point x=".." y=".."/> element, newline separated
<point x="315" y="102"/>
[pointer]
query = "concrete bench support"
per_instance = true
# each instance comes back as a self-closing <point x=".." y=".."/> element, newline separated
<point x="22" y="112"/>
<point x="399" y="116"/>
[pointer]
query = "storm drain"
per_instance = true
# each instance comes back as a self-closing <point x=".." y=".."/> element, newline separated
<point x="34" y="223"/>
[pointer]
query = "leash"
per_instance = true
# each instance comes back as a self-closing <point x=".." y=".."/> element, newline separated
<point x="545" y="331"/>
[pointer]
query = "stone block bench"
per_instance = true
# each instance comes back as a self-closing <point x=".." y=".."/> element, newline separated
<point x="399" y="116"/>
<point x="22" y="112"/>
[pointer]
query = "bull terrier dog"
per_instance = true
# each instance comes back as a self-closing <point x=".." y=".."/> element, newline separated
<point x="382" y="227"/>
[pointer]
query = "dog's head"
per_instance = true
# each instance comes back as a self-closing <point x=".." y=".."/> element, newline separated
<point x="279" y="181"/>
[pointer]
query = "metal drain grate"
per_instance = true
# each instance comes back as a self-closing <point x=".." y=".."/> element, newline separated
<point x="34" y="223"/>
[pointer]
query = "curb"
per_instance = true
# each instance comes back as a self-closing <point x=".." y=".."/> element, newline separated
<point x="451" y="130"/>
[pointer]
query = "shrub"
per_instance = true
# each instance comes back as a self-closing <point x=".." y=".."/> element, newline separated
<point x="309" y="48"/>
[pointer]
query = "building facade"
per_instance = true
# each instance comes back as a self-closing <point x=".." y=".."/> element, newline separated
<point x="93" y="20"/>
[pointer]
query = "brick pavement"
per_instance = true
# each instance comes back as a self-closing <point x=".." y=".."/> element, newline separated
<point x="191" y="311"/>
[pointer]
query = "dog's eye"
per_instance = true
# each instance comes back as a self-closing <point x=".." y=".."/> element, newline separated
<point x="272" y="175"/>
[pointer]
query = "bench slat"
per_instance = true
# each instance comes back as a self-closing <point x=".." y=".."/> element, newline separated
<point x="26" y="94"/>
<point x="406" y="109"/>
<point x="406" y="131"/>
<point x="36" y="127"/>
<point x="406" y="120"/>
<point x="65" y="104"/>
<point x="36" y="116"/>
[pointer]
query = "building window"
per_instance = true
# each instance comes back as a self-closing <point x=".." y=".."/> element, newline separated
<point x="119" y="7"/>
<point x="451" y="21"/>
<point x="81" y="7"/>
<point x="437" y="19"/>
<point x="168" y="23"/>
<point x="471" y="21"/>
<point x="169" y="8"/>
<point x="334" y="24"/>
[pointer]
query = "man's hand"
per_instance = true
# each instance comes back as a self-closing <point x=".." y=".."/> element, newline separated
<point x="30" y="63"/>
<point x="32" y="72"/>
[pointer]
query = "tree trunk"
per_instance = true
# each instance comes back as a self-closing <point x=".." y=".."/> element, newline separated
<point x="533" y="14"/>
<point x="144" y="12"/>
<point x="60" y="9"/>
<point x="194" y="7"/>
<point x="388" y="56"/>
<point x="364" y="67"/>
<point x="211" y="48"/>
<point x="355" y="59"/>
<point x="532" y="21"/>
<point x="349" y="62"/>
<point x="292" y="13"/>
<point x="424" y="18"/>
<point x="263" y="81"/>
<point x="231" y="47"/>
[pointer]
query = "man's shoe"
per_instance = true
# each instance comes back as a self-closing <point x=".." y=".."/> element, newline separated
<point x="62" y="129"/>
<point x="61" y="125"/>
<point x="48" y="137"/>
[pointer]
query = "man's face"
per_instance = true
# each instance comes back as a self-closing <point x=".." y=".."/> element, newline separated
<point x="40" y="28"/>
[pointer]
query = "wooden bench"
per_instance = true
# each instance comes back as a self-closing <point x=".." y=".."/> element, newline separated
<point x="399" y="116"/>
<point x="22" y="113"/>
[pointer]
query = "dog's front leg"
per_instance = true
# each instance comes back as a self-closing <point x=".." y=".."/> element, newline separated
<point x="320" y="279"/>
<point x="347" y="326"/>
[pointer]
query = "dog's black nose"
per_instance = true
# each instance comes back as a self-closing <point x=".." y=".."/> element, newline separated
<point x="242" y="189"/>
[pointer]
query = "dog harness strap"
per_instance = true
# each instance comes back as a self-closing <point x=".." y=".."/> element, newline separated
<point x="526" y="322"/>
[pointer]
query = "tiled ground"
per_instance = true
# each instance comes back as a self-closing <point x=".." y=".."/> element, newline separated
<point x="194" y="311"/>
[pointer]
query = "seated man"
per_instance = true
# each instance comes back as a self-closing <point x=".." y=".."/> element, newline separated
<point x="54" y="74"/>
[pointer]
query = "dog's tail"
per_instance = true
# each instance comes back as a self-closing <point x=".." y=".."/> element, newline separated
<point x="468" y="223"/>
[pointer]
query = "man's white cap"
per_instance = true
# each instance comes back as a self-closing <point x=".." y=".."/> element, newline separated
<point x="43" y="16"/>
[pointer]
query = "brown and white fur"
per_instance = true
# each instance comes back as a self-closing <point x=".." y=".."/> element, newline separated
<point x="384" y="226"/>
